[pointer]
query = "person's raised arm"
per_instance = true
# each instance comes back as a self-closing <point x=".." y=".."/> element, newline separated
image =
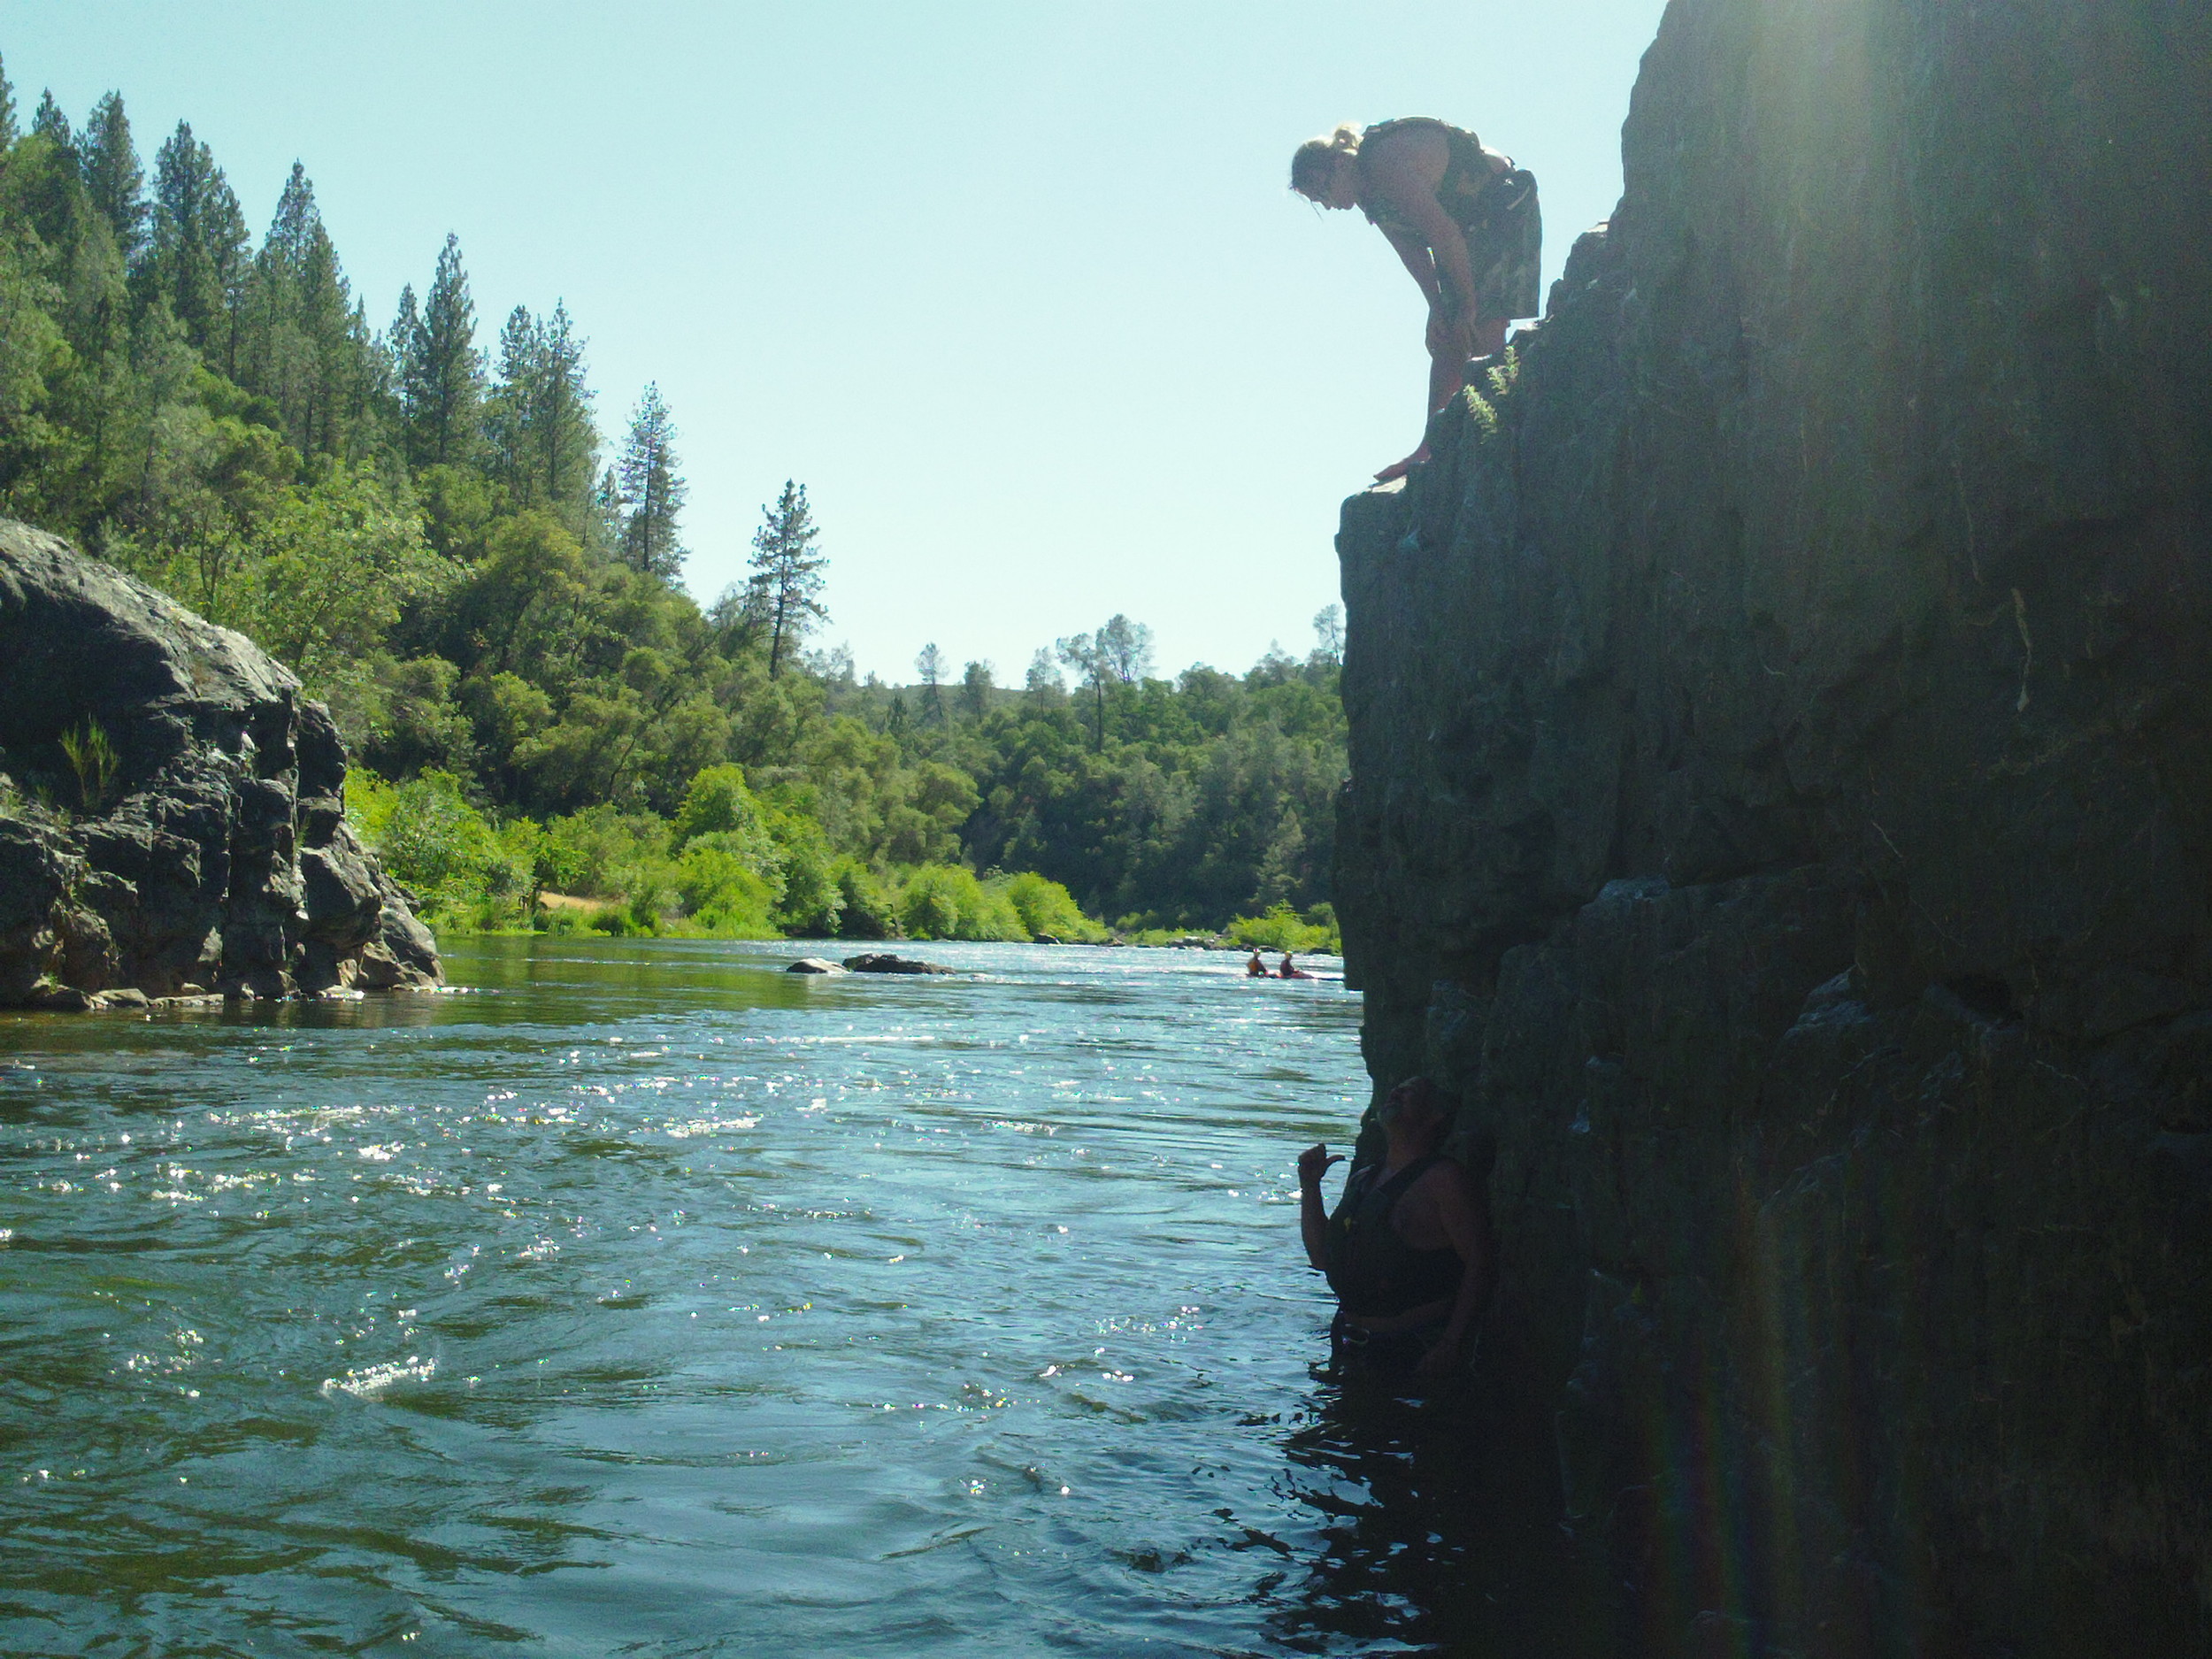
<point x="1456" y="1212"/>
<point x="1313" y="1219"/>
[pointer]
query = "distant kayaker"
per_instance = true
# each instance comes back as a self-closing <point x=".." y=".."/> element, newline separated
<point x="1255" y="969"/>
<point x="1462" y="218"/>
<point x="1290" y="970"/>
<point x="1409" y="1249"/>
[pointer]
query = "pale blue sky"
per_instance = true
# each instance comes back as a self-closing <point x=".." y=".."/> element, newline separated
<point x="1016" y="290"/>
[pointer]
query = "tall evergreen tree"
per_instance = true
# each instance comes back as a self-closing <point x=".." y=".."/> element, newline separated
<point x="566" y="439"/>
<point x="7" y="108"/>
<point x="50" y="124"/>
<point x="441" y="385"/>
<point x="652" y="490"/>
<point x="299" y="347"/>
<point x="198" y="241"/>
<point x="975" y="689"/>
<point x="113" y="177"/>
<point x="788" y="580"/>
<point x="512" y="403"/>
<point x="930" y="664"/>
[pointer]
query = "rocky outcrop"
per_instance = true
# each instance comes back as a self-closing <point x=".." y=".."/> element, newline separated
<point x="171" y="813"/>
<point x="1781" y="807"/>
<point x="885" y="962"/>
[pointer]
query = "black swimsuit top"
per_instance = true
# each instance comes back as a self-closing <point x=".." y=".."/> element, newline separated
<point x="1375" y="1273"/>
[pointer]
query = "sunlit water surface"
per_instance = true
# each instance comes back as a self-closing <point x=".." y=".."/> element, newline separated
<point x="649" y="1300"/>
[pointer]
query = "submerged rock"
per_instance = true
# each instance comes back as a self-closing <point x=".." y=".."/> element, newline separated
<point x="886" y="963"/>
<point x="1781" y="811"/>
<point x="195" y="838"/>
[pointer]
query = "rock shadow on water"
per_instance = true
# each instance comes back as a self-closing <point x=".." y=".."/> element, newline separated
<point x="1440" y="1531"/>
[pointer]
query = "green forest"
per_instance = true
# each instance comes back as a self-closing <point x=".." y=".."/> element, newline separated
<point x="424" y="521"/>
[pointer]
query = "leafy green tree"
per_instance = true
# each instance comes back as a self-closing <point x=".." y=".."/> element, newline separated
<point x="340" y="564"/>
<point x="653" y="491"/>
<point x="785" y="589"/>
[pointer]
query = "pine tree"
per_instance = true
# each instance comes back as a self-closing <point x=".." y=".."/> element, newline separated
<point x="788" y="580"/>
<point x="510" y="411"/>
<point x="184" y="264"/>
<point x="113" y="177"/>
<point x="7" y="108"/>
<point x="975" y="690"/>
<point x="566" y="436"/>
<point x="50" y="124"/>
<point x="930" y="664"/>
<point x="441" y="386"/>
<point x="653" y="490"/>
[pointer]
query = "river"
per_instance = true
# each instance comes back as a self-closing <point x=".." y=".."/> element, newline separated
<point x="645" y="1299"/>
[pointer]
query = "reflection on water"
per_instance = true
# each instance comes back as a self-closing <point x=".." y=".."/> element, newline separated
<point x="649" y="1300"/>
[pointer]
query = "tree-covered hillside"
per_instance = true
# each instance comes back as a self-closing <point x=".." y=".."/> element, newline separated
<point x="424" y="518"/>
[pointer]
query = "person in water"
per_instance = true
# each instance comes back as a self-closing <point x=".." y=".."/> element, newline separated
<point x="1464" y="218"/>
<point x="1255" y="969"/>
<point x="1290" y="970"/>
<point x="1408" y="1251"/>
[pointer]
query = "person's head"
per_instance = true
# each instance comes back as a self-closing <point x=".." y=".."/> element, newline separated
<point x="1416" y="1110"/>
<point x="1326" y="170"/>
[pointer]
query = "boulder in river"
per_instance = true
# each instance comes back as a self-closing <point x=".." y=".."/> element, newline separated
<point x="884" y="962"/>
<point x="814" y="964"/>
<point x="171" y="809"/>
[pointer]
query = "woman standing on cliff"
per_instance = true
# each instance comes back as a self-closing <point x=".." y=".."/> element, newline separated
<point x="1464" y="218"/>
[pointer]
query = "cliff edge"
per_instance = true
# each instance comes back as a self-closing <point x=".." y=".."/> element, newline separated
<point x="1781" y="808"/>
<point x="171" y="812"/>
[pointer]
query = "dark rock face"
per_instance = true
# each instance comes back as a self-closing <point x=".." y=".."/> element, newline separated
<point x="1781" y="806"/>
<point x="206" y="848"/>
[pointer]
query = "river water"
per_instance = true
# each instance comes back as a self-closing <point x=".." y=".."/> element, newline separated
<point x="648" y="1300"/>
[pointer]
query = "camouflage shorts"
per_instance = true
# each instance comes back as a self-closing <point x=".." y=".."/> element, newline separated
<point x="1506" y="248"/>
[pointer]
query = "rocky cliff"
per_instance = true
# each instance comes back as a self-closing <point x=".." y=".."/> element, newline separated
<point x="171" y="819"/>
<point x="1781" y="806"/>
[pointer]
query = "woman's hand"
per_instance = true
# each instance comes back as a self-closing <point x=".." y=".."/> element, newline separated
<point x="1313" y="1164"/>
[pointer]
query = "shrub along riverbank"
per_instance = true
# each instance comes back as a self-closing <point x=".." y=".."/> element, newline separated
<point x="729" y="866"/>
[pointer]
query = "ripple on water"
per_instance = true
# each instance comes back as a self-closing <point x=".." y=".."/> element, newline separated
<point x="655" y="1301"/>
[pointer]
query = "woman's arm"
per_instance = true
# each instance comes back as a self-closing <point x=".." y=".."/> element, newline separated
<point x="1313" y="1218"/>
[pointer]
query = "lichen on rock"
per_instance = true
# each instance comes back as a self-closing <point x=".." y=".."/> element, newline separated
<point x="171" y="813"/>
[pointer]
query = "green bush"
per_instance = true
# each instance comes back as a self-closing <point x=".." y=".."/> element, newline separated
<point x="470" y="876"/>
<point x="947" y="901"/>
<point x="1046" y="907"/>
<point x="604" y="853"/>
<point x="866" y="908"/>
<point x="1283" y="929"/>
<point x="722" y="893"/>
